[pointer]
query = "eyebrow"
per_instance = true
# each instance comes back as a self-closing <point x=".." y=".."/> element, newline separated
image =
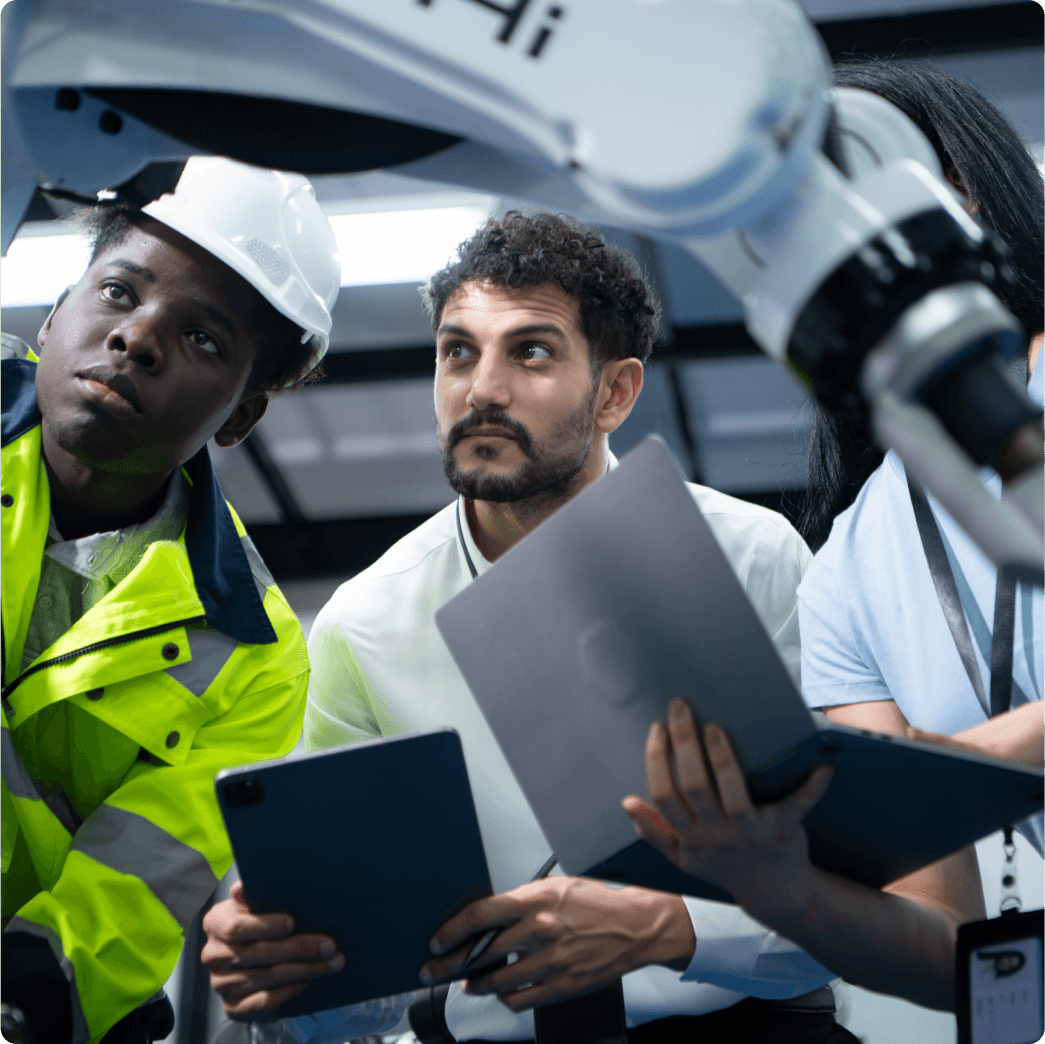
<point x="140" y="270"/>
<point x="218" y="316"/>
<point x="519" y="331"/>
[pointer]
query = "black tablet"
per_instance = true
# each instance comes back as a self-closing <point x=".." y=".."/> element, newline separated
<point x="375" y="844"/>
<point x="894" y="806"/>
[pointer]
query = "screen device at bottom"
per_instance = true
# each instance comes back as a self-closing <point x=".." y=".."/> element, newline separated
<point x="999" y="980"/>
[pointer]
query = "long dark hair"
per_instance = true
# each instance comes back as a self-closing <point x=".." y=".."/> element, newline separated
<point x="981" y="154"/>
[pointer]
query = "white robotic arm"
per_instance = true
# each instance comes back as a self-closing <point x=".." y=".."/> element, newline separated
<point x="710" y="124"/>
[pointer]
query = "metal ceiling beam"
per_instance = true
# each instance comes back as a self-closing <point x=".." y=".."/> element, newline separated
<point x="921" y="33"/>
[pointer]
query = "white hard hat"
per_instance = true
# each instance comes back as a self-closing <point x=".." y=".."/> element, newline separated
<point x="267" y="226"/>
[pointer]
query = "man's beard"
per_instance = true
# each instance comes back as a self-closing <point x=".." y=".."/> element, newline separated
<point x="550" y="466"/>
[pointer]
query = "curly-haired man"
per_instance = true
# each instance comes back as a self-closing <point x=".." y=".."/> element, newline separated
<point x="542" y="330"/>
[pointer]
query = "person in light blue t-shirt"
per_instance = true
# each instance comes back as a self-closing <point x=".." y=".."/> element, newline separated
<point x="876" y="650"/>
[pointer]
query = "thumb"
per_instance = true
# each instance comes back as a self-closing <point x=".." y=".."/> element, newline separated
<point x="810" y="792"/>
<point x="236" y="893"/>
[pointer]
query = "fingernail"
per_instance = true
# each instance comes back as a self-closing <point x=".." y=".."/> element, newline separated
<point x="654" y="730"/>
<point x="713" y="734"/>
<point x="290" y="925"/>
<point x="677" y="710"/>
<point x="435" y="946"/>
<point x="337" y="963"/>
<point x="326" y="949"/>
<point x="425" y="976"/>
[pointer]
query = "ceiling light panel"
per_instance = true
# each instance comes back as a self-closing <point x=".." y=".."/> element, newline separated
<point x="41" y="263"/>
<point x="404" y="245"/>
<point x="401" y="246"/>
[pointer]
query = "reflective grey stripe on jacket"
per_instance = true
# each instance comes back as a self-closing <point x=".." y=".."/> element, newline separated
<point x="81" y="1034"/>
<point x="16" y="775"/>
<point x="176" y="873"/>
<point x="210" y="648"/>
<point x="210" y="652"/>
<point x="19" y="783"/>
<point x="262" y="577"/>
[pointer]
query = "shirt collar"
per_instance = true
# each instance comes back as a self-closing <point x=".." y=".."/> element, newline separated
<point x="469" y="549"/>
<point x="114" y="555"/>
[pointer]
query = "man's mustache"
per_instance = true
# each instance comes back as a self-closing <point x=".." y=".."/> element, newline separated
<point x="490" y="419"/>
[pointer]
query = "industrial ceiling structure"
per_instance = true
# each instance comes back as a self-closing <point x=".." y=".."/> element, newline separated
<point x="334" y="474"/>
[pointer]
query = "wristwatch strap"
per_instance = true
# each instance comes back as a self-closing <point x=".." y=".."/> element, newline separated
<point x="595" y="1018"/>
<point x="427" y="1016"/>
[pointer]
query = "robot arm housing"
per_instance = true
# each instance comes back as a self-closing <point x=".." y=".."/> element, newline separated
<point x="703" y="123"/>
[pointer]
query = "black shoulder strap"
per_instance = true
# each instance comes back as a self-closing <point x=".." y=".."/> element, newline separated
<point x="950" y="602"/>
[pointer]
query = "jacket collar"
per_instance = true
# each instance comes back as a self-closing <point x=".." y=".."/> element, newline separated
<point x="18" y="399"/>
<point x="220" y="569"/>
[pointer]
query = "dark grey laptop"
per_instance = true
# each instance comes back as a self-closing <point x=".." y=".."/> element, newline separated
<point x="581" y="634"/>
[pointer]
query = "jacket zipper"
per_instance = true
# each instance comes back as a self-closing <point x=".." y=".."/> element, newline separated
<point x="122" y="639"/>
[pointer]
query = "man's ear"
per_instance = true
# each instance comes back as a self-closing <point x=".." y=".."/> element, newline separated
<point x="619" y="387"/>
<point x="41" y="337"/>
<point x="249" y="410"/>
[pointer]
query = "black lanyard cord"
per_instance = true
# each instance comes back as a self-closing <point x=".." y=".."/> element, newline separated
<point x="1001" y="648"/>
<point x="950" y="601"/>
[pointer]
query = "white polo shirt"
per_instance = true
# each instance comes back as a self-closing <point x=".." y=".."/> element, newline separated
<point x="380" y="667"/>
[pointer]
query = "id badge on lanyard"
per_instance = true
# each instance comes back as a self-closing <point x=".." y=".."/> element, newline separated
<point x="999" y="994"/>
<point x="999" y="998"/>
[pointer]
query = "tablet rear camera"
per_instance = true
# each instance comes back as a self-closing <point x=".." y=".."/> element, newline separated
<point x="245" y="792"/>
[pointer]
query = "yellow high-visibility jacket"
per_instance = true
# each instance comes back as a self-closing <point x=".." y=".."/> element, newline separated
<point x="193" y="663"/>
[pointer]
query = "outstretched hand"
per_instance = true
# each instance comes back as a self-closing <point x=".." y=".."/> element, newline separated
<point x="704" y="820"/>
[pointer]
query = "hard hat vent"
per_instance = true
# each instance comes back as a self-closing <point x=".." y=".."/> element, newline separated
<point x="270" y="263"/>
<point x="312" y="313"/>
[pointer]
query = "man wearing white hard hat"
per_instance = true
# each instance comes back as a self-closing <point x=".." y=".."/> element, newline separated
<point x="145" y="645"/>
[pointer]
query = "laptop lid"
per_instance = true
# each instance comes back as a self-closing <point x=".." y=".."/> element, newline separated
<point x="594" y="622"/>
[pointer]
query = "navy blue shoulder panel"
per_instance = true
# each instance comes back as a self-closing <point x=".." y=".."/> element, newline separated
<point x="220" y="568"/>
<point x="18" y="397"/>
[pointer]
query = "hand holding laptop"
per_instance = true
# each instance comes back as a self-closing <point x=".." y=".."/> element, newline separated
<point x="706" y="824"/>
